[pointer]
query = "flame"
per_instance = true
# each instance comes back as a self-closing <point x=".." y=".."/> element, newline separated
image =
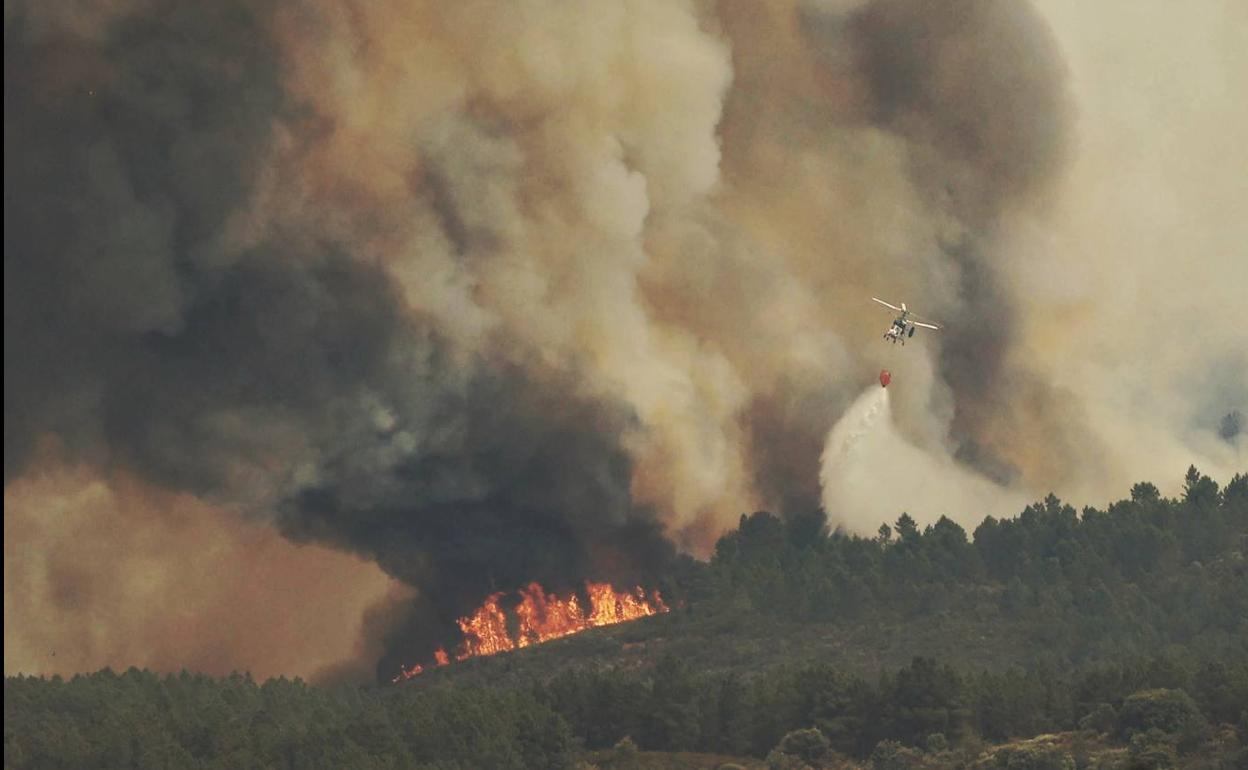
<point x="408" y="673"/>
<point x="485" y="633"/>
<point x="540" y="617"/>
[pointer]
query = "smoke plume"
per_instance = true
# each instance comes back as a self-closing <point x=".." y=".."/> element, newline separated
<point x="485" y="292"/>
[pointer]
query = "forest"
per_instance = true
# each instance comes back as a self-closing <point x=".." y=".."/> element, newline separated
<point x="1123" y="644"/>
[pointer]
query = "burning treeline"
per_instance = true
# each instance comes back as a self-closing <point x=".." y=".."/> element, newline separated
<point x="540" y="617"/>
<point x="492" y="293"/>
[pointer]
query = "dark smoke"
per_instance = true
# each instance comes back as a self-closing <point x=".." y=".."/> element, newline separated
<point x="786" y="448"/>
<point x="972" y="360"/>
<point x="123" y="160"/>
<point x="978" y="90"/>
<point x="274" y="373"/>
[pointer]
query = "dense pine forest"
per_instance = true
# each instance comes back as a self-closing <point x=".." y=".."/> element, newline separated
<point x="1146" y="573"/>
<point x="1112" y="638"/>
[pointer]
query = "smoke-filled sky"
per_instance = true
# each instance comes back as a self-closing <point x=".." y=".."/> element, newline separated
<point x="325" y="319"/>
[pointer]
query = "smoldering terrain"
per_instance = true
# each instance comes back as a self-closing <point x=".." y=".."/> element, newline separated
<point x="482" y="293"/>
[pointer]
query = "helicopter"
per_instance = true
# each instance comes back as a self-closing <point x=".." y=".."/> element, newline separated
<point x="903" y="326"/>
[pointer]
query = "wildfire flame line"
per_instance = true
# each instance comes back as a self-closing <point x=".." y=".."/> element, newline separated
<point x="540" y="617"/>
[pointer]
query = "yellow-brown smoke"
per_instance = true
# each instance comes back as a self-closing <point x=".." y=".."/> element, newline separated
<point x="108" y="572"/>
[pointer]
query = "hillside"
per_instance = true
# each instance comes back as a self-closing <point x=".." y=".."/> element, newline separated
<point x="1050" y="588"/>
<point x="1121" y="632"/>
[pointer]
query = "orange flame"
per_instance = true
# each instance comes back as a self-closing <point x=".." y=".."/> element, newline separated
<point x="485" y="633"/>
<point x="408" y="673"/>
<point x="541" y="617"/>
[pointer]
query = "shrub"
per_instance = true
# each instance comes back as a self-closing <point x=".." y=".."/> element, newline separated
<point x="809" y="744"/>
<point x="1171" y="713"/>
